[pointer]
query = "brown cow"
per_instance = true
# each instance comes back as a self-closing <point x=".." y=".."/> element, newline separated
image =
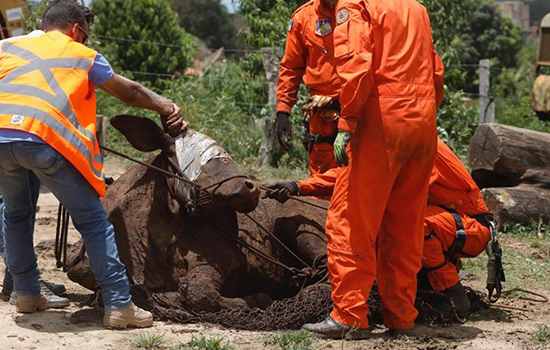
<point x="167" y="250"/>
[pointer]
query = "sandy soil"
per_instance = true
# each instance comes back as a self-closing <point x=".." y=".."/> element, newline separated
<point x="79" y="327"/>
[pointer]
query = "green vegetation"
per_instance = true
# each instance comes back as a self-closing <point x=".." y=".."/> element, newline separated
<point x="198" y="16"/>
<point x="524" y="260"/>
<point x="148" y="39"/>
<point x="148" y="340"/>
<point x="289" y="340"/>
<point x="542" y="335"/>
<point x="533" y="229"/>
<point x="204" y="343"/>
<point x="229" y="102"/>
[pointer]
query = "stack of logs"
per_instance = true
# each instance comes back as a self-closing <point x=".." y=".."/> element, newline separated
<point x="512" y="166"/>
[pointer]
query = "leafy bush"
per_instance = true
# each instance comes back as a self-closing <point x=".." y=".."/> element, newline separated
<point x="512" y="90"/>
<point x="457" y="121"/>
<point x="148" y="39"/>
<point x="226" y="104"/>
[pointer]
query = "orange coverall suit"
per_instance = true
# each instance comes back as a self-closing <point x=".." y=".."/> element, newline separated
<point x="392" y="82"/>
<point x="309" y="56"/>
<point x="451" y="186"/>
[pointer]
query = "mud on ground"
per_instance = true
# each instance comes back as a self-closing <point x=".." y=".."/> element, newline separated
<point x="79" y="327"/>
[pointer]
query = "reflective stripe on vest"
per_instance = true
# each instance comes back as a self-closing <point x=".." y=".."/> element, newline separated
<point x="59" y="100"/>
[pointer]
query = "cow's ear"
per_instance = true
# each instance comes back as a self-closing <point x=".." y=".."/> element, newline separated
<point x="142" y="133"/>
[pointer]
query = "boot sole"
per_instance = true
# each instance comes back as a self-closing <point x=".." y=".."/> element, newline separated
<point x="352" y="335"/>
<point x="58" y="304"/>
<point x="30" y="310"/>
<point x="120" y="323"/>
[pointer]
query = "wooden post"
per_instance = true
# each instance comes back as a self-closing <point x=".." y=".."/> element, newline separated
<point x="267" y="148"/>
<point x="486" y="103"/>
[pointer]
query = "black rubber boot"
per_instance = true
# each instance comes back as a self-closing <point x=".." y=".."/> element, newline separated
<point x="462" y="304"/>
<point x="7" y="286"/>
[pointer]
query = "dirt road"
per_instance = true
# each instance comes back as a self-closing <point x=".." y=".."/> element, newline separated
<point x="79" y="327"/>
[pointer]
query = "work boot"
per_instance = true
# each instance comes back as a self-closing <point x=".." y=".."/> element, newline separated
<point x="56" y="288"/>
<point x="131" y="316"/>
<point x="332" y="329"/>
<point x="7" y="285"/>
<point x="400" y="333"/>
<point x="31" y="303"/>
<point x="54" y="301"/>
<point x="458" y="294"/>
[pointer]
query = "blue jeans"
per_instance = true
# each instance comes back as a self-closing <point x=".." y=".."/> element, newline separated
<point x="34" y="183"/>
<point x="17" y="160"/>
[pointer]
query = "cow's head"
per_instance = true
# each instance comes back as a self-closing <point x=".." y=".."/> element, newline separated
<point x="201" y="159"/>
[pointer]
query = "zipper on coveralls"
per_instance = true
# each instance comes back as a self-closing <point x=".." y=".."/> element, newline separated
<point x="324" y="49"/>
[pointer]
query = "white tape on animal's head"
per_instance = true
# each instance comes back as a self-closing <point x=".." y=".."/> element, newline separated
<point x="193" y="151"/>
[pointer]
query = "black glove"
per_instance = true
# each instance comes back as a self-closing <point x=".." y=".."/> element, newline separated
<point x="281" y="190"/>
<point x="284" y="130"/>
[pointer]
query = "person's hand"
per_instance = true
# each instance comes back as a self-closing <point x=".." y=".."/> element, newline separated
<point x="284" y="130"/>
<point x="173" y="122"/>
<point x="282" y="190"/>
<point x="340" y="146"/>
<point x="316" y="101"/>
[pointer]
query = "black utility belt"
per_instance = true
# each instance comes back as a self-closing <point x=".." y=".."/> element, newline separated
<point x="485" y="219"/>
<point x="311" y="139"/>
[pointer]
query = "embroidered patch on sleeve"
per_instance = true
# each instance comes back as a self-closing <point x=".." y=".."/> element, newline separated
<point x="324" y="27"/>
<point x="342" y="16"/>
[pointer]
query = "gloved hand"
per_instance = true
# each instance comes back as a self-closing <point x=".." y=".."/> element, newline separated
<point x="316" y="101"/>
<point x="340" y="144"/>
<point x="319" y="101"/>
<point x="281" y="190"/>
<point x="284" y="130"/>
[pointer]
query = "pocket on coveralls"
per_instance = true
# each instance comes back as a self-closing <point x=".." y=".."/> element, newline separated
<point x="342" y="47"/>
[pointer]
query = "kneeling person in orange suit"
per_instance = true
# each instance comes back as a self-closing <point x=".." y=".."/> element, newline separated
<point x="456" y="224"/>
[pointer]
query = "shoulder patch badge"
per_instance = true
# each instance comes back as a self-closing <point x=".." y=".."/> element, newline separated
<point x="342" y="16"/>
<point x="290" y="23"/>
<point x="324" y="27"/>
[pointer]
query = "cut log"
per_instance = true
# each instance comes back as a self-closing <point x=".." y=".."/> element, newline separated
<point x="500" y="155"/>
<point x="521" y="204"/>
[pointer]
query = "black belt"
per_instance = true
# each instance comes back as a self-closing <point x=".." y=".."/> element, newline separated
<point x="311" y="139"/>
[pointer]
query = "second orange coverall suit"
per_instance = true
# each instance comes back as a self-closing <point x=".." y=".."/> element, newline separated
<point x="309" y="56"/>
<point x="451" y="187"/>
<point x="392" y="82"/>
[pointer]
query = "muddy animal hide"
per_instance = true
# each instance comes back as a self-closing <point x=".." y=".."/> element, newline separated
<point x="198" y="261"/>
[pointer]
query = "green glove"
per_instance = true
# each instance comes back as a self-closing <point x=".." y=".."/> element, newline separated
<point x="340" y="144"/>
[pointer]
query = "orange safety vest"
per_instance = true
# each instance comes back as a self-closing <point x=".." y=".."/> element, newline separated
<point x="44" y="90"/>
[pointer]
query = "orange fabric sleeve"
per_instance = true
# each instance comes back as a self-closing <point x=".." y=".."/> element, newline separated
<point x="292" y="68"/>
<point x="353" y="51"/>
<point x="439" y="73"/>
<point x="319" y="185"/>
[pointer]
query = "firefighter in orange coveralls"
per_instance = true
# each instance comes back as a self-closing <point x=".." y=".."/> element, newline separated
<point x="456" y="223"/>
<point x="309" y="56"/>
<point x="392" y="82"/>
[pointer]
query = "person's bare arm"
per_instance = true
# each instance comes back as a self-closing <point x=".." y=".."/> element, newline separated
<point x="137" y="95"/>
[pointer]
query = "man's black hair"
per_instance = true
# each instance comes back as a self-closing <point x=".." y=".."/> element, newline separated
<point x="62" y="14"/>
